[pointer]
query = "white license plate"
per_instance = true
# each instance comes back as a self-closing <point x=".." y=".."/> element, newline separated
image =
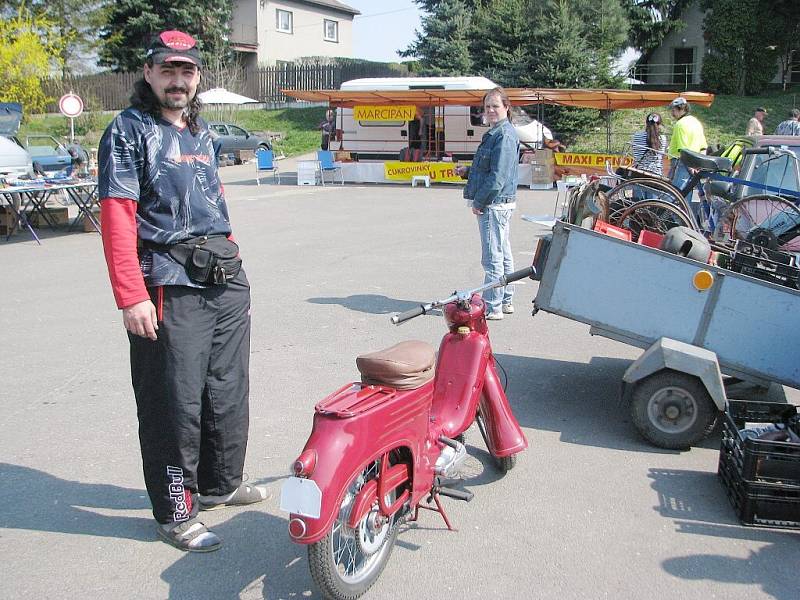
<point x="301" y="497"/>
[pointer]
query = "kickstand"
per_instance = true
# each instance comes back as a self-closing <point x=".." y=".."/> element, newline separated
<point x="439" y="509"/>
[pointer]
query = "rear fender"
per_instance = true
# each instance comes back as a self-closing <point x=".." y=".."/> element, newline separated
<point x="376" y="490"/>
<point x="332" y="474"/>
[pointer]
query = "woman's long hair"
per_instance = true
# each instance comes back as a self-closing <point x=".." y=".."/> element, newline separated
<point x="653" y="129"/>
<point x="144" y="99"/>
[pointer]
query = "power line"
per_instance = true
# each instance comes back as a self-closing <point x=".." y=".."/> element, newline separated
<point x="390" y="12"/>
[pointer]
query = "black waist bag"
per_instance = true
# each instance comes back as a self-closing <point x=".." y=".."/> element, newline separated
<point x="213" y="259"/>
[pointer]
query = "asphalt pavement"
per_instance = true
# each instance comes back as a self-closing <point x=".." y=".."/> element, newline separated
<point x="591" y="510"/>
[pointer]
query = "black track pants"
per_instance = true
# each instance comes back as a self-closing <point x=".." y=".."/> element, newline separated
<point x="191" y="388"/>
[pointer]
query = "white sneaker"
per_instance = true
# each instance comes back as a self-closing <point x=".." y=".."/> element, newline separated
<point x="508" y="309"/>
<point x="494" y="316"/>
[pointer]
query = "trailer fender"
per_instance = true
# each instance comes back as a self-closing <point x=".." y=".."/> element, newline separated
<point x="667" y="353"/>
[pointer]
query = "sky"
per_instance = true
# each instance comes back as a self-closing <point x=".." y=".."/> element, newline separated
<point x="383" y="27"/>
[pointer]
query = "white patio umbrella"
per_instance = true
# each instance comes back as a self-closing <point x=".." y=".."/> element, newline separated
<point x="223" y="96"/>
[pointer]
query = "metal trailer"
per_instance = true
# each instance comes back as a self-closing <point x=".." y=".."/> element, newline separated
<point x="695" y="321"/>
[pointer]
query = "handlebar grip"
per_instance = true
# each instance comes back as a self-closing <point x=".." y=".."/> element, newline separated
<point x="762" y="150"/>
<point x="517" y="275"/>
<point x="409" y="314"/>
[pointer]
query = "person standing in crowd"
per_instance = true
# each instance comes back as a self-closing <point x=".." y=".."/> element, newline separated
<point x="755" y="126"/>
<point x="687" y="134"/>
<point x="328" y="127"/>
<point x="189" y="335"/>
<point x="491" y="189"/>
<point x="790" y="126"/>
<point x="649" y="146"/>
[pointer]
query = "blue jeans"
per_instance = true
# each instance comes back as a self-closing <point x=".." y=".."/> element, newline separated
<point x="679" y="174"/>
<point x="496" y="257"/>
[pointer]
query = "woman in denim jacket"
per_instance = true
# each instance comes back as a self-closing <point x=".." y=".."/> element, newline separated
<point x="491" y="189"/>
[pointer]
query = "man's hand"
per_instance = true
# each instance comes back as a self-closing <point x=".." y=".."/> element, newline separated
<point x="476" y="211"/>
<point x="141" y="319"/>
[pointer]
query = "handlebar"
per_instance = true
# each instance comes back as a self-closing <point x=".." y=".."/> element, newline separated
<point x="776" y="150"/>
<point x="462" y="295"/>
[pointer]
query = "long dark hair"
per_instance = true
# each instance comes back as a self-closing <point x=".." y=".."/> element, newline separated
<point x="653" y="129"/>
<point x="144" y="99"/>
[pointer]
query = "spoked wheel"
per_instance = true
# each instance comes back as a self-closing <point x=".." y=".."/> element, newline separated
<point x="638" y="190"/>
<point x="672" y="409"/>
<point x="653" y="215"/>
<point x="346" y="562"/>
<point x="504" y="463"/>
<point x="763" y="220"/>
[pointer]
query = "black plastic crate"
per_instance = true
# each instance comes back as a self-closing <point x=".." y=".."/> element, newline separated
<point x="761" y="478"/>
<point x="764" y="264"/>
<point x="760" y="460"/>
<point x="759" y="504"/>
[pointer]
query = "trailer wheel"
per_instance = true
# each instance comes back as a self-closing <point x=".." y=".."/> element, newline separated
<point x="672" y="409"/>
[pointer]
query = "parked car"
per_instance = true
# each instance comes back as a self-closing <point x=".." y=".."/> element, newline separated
<point x="780" y="172"/>
<point x="14" y="159"/>
<point x="48" y="152"/>
<point x="229" y="138"/>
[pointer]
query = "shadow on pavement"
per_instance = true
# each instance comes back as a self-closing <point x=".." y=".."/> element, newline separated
<point x="61" y="505"/>
<point x="375" y="304"/>
<point x="257" y="559"/>
<point x="697" y="502"/>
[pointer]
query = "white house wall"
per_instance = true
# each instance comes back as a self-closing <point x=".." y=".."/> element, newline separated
<point x="307" y="36"/>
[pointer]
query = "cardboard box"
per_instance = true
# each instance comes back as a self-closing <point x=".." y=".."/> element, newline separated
<point x="243" y="156"/>
<point x="87" y="224"/>
<point x="57" y="216"/>
<point x="543" y="157"/>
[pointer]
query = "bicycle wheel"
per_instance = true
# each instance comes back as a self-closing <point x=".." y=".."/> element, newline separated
<point x="642" y="189"/>
<point x="653" y="215"/>
<point x="763" y="220"/>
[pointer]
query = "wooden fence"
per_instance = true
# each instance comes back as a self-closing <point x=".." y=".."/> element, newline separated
<point x="110" y="91"/>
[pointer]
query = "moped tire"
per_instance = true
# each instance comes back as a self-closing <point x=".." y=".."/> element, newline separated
<point x="503" y="463"/>
<point x="347" y="562"/>
<point x="672" y="410"/>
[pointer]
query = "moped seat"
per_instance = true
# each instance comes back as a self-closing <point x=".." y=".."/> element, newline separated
<point x="404" y="366"/>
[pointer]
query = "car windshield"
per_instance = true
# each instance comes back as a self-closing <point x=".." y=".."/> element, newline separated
<point x="778" y="172"/>
<point x="45" y="151"/>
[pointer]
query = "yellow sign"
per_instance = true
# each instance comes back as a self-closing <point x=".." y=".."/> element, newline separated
<point x="404" y="171"/>
<point x="384" y="113"/>
<point x="572" y="159"/>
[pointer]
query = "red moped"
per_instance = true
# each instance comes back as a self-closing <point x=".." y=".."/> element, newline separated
<point x="385" y="447"/>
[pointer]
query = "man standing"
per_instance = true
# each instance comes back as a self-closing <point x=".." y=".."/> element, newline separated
<point x="790" y="126"/>
<point x="189" y="334"/>
<point x="687" y="134"/>
<point x="328" y="127"/>
<point x="755" y="126"/>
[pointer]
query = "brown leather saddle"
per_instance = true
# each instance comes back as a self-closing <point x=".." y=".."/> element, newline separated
<point x="404" y="366"/>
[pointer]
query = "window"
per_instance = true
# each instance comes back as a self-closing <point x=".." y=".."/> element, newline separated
<point x="237" y="131"/>
<point x="331" y="31"/>
<point x="220" y="129"/>
<point x="283" y="20"/>
<point x="476" y="116"/>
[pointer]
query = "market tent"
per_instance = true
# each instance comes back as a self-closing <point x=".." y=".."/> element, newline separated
<point x="598" y="99"/>
<point x="223" y="96"/>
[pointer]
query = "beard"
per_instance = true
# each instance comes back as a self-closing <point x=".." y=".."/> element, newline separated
<point x="172" y="103"/>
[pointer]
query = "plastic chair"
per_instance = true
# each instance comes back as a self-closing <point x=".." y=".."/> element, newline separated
<point x="325" y="158"/>
<point x="265" y="162"/>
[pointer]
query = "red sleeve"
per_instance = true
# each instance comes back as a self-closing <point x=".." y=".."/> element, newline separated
<point x="118" y="225"/>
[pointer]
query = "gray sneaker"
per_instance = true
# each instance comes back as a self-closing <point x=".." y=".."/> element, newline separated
<point x="242" y="496"/>
<point x="508" y="309"/>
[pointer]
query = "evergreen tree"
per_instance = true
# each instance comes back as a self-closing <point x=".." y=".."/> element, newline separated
<point x="501" y="42"/>
<point x="131" y="25"/>
<point x="651" y="20"/>
<point x="442" y="45"/>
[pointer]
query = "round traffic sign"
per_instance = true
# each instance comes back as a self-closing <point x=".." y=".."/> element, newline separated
<point x="70" y="105"/>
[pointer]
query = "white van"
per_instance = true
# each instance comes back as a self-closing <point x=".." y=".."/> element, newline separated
<point x="437" y="131"/>
<point x="14" y="159"/>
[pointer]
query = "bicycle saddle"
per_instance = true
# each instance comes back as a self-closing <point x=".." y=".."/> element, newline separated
<point x="704" y="162"/>
<point x="404" y="366"/>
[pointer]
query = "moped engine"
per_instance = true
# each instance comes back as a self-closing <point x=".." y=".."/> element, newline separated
<point x="451" y="459"/>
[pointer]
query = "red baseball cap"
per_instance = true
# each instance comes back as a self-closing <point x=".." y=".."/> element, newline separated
<point x="174" y="46"/>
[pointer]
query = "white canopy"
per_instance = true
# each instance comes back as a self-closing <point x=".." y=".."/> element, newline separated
<point x="223" y="96"/>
